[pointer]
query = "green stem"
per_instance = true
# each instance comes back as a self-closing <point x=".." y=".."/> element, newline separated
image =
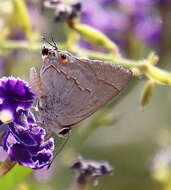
<point x="34" y="46"/>
<point x="13" y="45"/>
<point x="146" y="66"/>
<point x="6" y="166"/>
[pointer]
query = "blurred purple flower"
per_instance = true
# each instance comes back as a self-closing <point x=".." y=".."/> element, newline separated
<point x="134" y="15"/>
<point x="104" y="18"/>
<point x="131" y="6"/>
<point x="90" y="169"/>
<point x="63" y="10"/>
<point x="14" y="94"/>
<point x="17" y="34"/>
<point x="148" y="29"/>
<point x="106" y="2"/>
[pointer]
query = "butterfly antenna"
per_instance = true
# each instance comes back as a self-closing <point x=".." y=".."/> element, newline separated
<point x="54" y="43"/>
<point x="43" y="40"/>
<point x="60" y="149"/>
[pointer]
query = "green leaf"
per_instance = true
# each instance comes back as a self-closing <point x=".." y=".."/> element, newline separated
<point x="14" y="177"/>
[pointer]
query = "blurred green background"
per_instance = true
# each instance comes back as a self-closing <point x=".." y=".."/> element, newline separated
<point x="120" y="133"/>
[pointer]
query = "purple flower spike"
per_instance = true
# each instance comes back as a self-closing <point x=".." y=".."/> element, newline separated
<point x="35" y="157"/>
<point x="22" y="135"/>
<point x="148" y="29"/>
<point x="14" y="94"/>
<point x="103" y="18"/>
<point x="24" y="140"/>
<point x="20" y="128"/>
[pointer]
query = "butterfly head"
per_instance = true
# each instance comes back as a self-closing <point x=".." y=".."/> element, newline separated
<point x="53" y="53"/>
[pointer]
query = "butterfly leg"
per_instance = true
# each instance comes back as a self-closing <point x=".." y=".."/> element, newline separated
<point x="35" y="109"/>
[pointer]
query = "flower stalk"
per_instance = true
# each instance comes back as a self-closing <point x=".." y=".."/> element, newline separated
<point x="158" y="75"/>
<point x="6" y="166"/>
<point x="147" y="92"/>
<point x="146" y="66"/>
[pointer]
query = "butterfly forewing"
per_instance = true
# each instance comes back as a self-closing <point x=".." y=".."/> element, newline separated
<point x="79" y="87"/>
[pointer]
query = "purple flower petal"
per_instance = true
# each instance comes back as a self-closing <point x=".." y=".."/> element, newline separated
<point x="14" y="93"/>
<point x="28" y="146"/>
<point x="34" y="157"/>
<point x="23" y="136"/>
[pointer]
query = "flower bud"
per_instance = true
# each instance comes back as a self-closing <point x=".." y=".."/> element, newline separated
<point x="147" y="93"/>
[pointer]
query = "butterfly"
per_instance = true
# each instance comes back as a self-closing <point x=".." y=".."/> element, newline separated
<point x="70" y="88"/>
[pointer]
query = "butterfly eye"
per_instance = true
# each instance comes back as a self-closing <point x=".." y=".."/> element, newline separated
<point x="63" y="59"/>
<point x="63" y="56"/>
<point x="45" y="51"/>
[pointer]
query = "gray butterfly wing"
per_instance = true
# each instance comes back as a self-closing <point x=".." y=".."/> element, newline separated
<point x="77" y="89"/>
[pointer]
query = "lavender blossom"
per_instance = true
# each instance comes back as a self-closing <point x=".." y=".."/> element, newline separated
<point x="148" y="29"/>
<point x="131" y="6"/>
<point x="105" y="19"/>
<point x="115" y="21"/>
<point x="145" y="21"/>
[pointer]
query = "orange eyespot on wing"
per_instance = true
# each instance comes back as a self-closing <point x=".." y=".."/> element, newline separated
<point x="63" y="59"/>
